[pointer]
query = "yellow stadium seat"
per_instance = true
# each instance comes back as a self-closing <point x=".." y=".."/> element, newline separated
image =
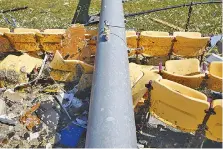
<point x="5" y="45"/>
<point x="214" y="123"/>
<point x="183" y="67"/>
<point x="14" y="69"/>
<point x="140" y="76"/>
<point x="186" y="46"/>
<point x="51" y="39"/>
<point x="155" y="44"/>
<point x="185" y="72"/>
<point x="189" y="81"/>
<point x="74" y="42"/>
<point x="215" y="79"/>
<point x="65" y="70"/>
<point x="23" y="40"/>
<point x="178" y="105"/>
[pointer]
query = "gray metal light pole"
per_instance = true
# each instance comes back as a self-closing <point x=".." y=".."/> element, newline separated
<point x="111" y="119"/>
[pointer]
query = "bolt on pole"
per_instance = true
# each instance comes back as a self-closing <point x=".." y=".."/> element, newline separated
<point x="111" y="122"/>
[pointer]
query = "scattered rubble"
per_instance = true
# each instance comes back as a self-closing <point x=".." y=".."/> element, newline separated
<point x="44" y="101"/>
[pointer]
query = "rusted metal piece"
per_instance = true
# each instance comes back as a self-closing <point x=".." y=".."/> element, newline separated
<point x="30" y="120"/>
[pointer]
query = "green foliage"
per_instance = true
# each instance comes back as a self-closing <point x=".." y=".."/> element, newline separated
<point x="44" y="14"/>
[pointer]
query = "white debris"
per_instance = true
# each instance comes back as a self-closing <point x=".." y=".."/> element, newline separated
<point x="13" y="96"/>
<point x="72" y="101"/>
<point x="48" y="146"/>
<point x="33" y="136"/>
<point x="2" y="107"/>
<point x="82" y="120"/>
<point x="213" y="57"/>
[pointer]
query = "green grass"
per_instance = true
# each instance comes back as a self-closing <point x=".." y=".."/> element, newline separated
<point x="44" y="14"/>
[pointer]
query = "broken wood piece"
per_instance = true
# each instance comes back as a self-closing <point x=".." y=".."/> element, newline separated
<point x="167" y="24"/>
<point x="14" y="9"/>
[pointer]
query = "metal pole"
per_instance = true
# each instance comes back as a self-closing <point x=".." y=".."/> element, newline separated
<point x="111" y="121"/>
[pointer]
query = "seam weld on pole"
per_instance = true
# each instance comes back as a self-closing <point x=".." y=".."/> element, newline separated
<point x="111" y="122"/>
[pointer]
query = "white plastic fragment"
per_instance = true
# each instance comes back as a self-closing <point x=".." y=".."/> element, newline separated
<point x="7" y="120"/>
<point x="72" y="101"/>
<point x="2" y="107"/>
<point x="213" y="57"/>
<point x="33" y="136"/>
<point x="13" y="96"/>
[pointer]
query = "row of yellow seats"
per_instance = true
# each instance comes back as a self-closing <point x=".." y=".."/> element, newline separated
<point x="175" y="104"/>
<point x="152" y="43"/>
<point x="30" y="40"/>
<point x="188" y="72"/>
<point x="184" y="108"/>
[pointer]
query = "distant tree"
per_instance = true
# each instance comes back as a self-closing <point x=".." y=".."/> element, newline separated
<point x="81" y="15"/>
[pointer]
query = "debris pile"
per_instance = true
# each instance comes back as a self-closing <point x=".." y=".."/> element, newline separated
<point x="45" y="86"/>
<point x="36" y="110"/>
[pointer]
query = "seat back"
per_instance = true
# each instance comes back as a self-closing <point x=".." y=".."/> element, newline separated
<point x="155" y="43"/>
<point x="5" y="45"/>
<point x="178" y="105"/>
<point x="183" y="67"/>
<point x="215" y="69"/>
<point x="214" y="124"/>
<point x="50" y="39"/>
<point x="189" y="46"/>
<point x="23" y="39"/>
<point x="73" y="42"/>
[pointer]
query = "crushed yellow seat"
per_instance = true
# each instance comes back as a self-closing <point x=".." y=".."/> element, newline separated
<point x="51" y="39"/>
<point x="155" y="44"/>
<point x="140" y="76"/>
<point x="214" y="124"/>
<point x="65" y="70"/>
<point x="215" y="78"/>
<point x="74" y="42"/>
<point x="23" y="41"/>
<point x="185" y="72"/>
<point x="183" y="67"/>
<point x="178" y="105"/>
<point x="215" y="69"/>
<point x="5" y="45"/>
<point x="14" y="69"/>
<point x="186" y="46"/>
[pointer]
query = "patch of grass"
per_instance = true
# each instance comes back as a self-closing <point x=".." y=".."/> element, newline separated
<point x="44" y="14"/>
